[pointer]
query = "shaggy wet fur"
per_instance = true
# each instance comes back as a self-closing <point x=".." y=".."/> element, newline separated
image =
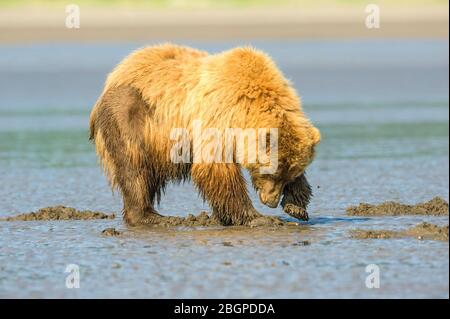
<point x="159" y="88"/>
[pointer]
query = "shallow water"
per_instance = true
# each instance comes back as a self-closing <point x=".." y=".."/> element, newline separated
<point x="382" y="107"/>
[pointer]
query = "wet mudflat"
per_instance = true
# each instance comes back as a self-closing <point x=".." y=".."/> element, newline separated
<point x="435" y="207"/>
<point x="385" y="139"/>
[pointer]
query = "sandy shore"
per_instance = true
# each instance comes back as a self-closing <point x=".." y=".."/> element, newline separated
<point x="23" y="25"/>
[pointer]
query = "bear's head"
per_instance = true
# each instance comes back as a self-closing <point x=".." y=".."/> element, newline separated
<point x="296" y="150"/>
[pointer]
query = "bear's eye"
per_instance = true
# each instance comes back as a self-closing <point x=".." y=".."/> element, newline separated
<point x="294" y="171"/>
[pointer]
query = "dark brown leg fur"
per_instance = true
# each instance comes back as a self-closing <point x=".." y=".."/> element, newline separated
<point x="224" y="188"/>
<point x="135" y="178"/>
<point x="296" y="197"/>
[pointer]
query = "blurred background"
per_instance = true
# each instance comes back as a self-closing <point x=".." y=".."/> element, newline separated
<point x="23" y="21"/>
<point x="378" y="95"/>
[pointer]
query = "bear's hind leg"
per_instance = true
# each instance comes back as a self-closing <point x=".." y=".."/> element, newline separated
<point x="138" y="198"/>
<point x="115" y="128"/>
<point x="224" y="188"/>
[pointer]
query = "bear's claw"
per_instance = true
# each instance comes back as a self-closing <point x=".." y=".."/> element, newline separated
<point x="296" y="212"/>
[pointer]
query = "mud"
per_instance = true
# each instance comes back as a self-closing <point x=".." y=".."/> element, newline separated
<point x="422" y="231"/>
<point x="229" y="237"/>
<point x="302" y="243"/>
<point x="205" y="220"/>
<point x="435" y="207"/>
<point x="111" y="232"/>
<point x="201" y="220"/>
<point x="59" y="213"/>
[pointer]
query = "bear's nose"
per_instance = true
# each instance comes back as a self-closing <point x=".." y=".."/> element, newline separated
<point x="269" y="200"/>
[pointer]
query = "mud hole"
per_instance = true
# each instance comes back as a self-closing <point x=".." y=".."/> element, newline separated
<point x="59" y="213"/>
<point x="435" y="207"/>
<point x="420" y="231"/>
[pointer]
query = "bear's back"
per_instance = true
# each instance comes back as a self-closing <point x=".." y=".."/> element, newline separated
<point x="158" y="71"/>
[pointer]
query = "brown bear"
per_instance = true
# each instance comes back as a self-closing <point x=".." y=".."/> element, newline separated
<point x="159" y="88"/>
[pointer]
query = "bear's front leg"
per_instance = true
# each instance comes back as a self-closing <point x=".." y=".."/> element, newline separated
<point x="296" y="197"/>
<point x="224" y="188"/>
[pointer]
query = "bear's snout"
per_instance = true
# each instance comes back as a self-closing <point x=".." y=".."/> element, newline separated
<point x="270" y="196"/>
<point x="270" y="202"/>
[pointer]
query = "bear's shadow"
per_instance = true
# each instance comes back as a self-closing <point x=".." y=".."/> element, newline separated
<point x="331" y="220"/>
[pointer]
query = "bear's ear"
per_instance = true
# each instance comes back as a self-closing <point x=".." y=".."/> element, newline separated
<point x="294" y="171"/>
<point x="316" y="135"/>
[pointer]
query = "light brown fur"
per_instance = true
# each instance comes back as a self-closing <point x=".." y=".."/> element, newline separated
<point x="159" y="88"/>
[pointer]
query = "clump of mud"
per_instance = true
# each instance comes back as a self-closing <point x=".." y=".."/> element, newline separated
<point x="268" y="221"/>
<point x="436" y="207"/>
<point x="374" y="234"/>
<point x="420" y="231"/>
<point x="428" y="231"/>
<point x="203" y="219"/>
<point x="59" y="213"/>
<point x="111" y="232"/>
